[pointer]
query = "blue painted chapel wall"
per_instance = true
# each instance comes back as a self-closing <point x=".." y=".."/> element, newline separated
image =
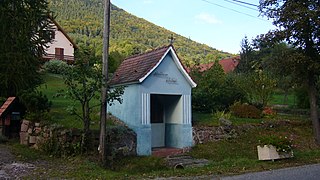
<point x="129" y="111"/>
<point x="166" y="79"/>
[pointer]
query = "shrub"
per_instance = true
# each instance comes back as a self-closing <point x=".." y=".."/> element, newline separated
<point x="245" y="111"/>
<point x="281" y="143"/>
<point x="56" y="66"/>
<point x="216" y="90"/>
<point x="269" y="112"/>
<point x="37" y="104"/>
<point x="222" y="114"/>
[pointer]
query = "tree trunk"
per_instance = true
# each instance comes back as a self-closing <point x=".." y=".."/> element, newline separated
<point x="314" y="107"/>
<point x="86" y="126"/>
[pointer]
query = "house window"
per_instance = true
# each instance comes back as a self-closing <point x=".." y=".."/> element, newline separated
<point x="59" y="53"/>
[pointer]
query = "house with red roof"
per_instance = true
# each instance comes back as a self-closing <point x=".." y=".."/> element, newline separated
<point x="62" y="47"/>
<point x="156" y="100"/>
<point x="228" y="64"/>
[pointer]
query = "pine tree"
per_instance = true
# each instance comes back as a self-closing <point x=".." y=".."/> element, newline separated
<point x="25" y="30"/>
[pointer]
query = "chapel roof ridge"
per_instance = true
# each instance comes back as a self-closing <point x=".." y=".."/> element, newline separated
<point x="148" y="52"/>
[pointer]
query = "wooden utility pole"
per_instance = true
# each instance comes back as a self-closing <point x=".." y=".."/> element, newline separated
<point x="103" y="110"/>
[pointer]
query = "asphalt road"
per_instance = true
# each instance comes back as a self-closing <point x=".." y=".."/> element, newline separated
<point x="307" y="172"/>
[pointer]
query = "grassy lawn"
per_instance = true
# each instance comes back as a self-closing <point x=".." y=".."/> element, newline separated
<point x="208" y="119"/>
<point x="58" y="112"/>
<point x="279" y="98"/>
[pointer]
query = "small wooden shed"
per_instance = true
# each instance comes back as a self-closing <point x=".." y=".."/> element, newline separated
<point x="156" y="100"/>
<point x="10" y="118"/>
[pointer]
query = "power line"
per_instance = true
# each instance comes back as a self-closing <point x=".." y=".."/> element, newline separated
<point x="246" y="3"/>
<point x="236" y="3"/>
<point x="242" y="2"/>
<point x="209" y="2"/>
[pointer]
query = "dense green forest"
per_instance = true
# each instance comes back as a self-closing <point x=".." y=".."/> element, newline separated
<point x="82" y="20"/>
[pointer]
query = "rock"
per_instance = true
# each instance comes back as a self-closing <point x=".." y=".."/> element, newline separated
<point x="24" y="126"/>
<point x="24" y="138"/>
<point x="32" y="139"/>
<point x="225" y="122"/>
<point x="30" y="130"/>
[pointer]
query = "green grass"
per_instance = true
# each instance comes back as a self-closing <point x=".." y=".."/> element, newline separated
<point x="279" y="98"/>
<point x="58" y="112"/>
<point x="208" y="119"/>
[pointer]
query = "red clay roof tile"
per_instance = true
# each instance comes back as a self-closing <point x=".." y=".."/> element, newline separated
<point x="136" y="67"/>
<point x="6" y="105"/>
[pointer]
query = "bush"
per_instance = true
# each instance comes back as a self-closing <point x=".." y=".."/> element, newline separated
<point x="245" y="111"/>
<point x="222" y="114"/>
<point x="281" y="143"/>
<point x="37" y="104"/>
<point x="56" y="66"/>
<point x="216" y="91"/>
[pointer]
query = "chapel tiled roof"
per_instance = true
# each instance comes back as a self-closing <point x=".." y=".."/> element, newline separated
<point x="136" y="67"/>
<point x="6" y="105"/>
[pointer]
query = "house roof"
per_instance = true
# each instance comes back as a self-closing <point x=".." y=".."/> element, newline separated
<point x="6" y="105"/>
<point x="63" y="32"/>
<point x="228" y="64"/>
<point x="136" y="69"/>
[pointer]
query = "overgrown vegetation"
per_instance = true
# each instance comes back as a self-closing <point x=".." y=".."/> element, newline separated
<point x="36" y="103"/>
<point x="56" y="66"/>
<point x="83" y="83"/>
<point x="215" y="90"/>
<point x="245" y="111"/>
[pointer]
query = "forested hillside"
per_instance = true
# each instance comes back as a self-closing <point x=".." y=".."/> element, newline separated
<point x="82" y="20"/>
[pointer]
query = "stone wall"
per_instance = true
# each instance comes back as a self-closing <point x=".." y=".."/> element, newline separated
<point x="120" y="139"/>
<point x="204" y="134"/>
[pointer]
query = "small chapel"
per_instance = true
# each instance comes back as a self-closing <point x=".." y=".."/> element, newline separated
<point x="156" y="100"/>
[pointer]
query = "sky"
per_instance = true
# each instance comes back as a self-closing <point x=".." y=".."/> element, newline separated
<point x="220" y="24"/>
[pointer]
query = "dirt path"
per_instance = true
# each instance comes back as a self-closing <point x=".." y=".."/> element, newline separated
<point x="9" y="168"/>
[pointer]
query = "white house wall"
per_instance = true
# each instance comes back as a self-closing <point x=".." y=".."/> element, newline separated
<point x="60" y="41"/>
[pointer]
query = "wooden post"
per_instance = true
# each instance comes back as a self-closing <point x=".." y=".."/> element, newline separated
<point x="103" y="111"/>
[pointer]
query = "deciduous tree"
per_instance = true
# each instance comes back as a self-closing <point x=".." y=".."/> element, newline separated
<point x="84" y="81"/>
<point x="298" y="24"/>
